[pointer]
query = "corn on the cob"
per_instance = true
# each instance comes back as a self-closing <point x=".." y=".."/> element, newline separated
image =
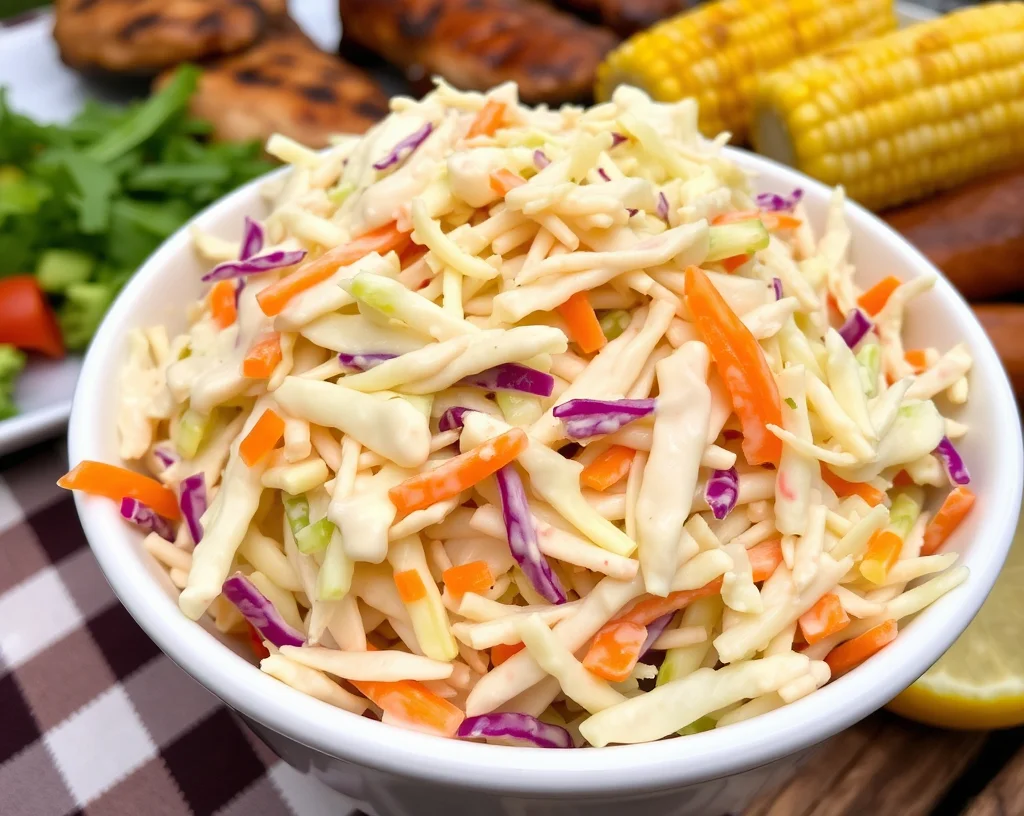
<point x="904" y="115"/>
<point x="716" y="52"/>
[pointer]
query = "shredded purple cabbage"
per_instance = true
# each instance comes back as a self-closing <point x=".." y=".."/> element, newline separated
<point x="518" y="727"/>
<point x="777" y="288"/>
<point x="279" y="259"/>
<point x="540" y="159"/>
<point x="252" y="240"/>
<point x="239" y="286"/>
<point x="260" y="612"/>
<point x="632" y="211"/>
<point x="164" y="455"/>
<point x="364" y="362"/>
<point x="662" y="207"/>
<point x="408" y="144"/>
<point x="192" y="500"/>
<point x="654" y="631"/>
<point x="584" y="418"/>
<point x="512" y="377"/>
<point x="773" y="202"/>
<point x="452" y="418"/>
<point x="722" y="492"/>
<point x="953" y="462"/>
<point x="618" y="138"/>
<point x="147" y="518"/>
<point x="603" y="174"/>
<point x="855" y="327"/>
<point x="522" y="536"/>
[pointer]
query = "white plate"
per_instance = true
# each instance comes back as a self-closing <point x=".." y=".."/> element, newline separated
<point x="40" y="85"/>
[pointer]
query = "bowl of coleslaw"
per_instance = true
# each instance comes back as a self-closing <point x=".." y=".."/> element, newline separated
<point x="544" y="461"/>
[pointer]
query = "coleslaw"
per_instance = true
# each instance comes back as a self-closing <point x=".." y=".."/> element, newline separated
<point x="539" y="426"/>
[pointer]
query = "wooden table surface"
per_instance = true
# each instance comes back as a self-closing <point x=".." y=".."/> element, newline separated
<point x="888" y="766"/>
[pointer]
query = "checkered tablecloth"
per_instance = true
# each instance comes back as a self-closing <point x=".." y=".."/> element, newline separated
<point x="94" y="719"/>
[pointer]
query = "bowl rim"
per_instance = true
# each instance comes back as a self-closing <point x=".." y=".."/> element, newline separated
<point x="535" y="771"/>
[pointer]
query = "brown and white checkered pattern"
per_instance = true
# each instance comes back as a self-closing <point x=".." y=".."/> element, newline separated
<point x="94" y="719"/>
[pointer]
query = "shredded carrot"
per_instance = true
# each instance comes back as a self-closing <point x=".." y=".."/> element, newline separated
<point x="275" y="297"/>
<point x="502" y="181"/>
<point x="771" y="220"/>
<point x="854" y="652"/>
<point x="259" y="650"/>
<point x="500" y="652"/>
<point x="459" y="473"/>
<point x="825" y="618"/>
<point x="263" y="357"/>
<point x="735" y="262"/>
<point x="615" y="650"/>
<point x="222" y="303"/>
<point x="741" y="362"/>
<point x="902" y="479"/>
<point x="472" y="577"/>
<point x="488" y="120"/>
<point x="874" y="299"/>
<point x="764" y="558"/>
<point x="410" y="586"/>
<point x="916" y="359"/>
<point x="955" y="507"/>
<point x="610" y="467"/>
<point x="113" y="482"/>
<point x="413" y="702"/>
<point x="262" y="437"/>
<point x="581" y="320"/>
<point x="883" y="551"/>
<point x="843" y="488"/>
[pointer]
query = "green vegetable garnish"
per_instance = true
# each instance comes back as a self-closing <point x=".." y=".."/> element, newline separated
<point x="11" y="363"/>
<point x="82" y="205"/>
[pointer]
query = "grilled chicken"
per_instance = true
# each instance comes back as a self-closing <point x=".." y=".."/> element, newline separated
<point x="626" y="17"/>
<point x="285" y="84"/>
<point x="476" y="44"/>
<point x="146" y="36"/>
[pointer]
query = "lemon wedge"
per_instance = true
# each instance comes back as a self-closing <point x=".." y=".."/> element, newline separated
<point x="979" y="682"/>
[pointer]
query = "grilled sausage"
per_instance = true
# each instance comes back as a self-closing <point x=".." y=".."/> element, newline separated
<point x="1004" y="323"/>
<point x="285" y="84"/>
<point x="974" y="234"/>
<point x="476" y="44"/>
<point x="626" y="17"/>
<point x="146" y="36"/>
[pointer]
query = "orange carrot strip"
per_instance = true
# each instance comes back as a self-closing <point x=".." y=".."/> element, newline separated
<point x="650" y="609"/>
<point x="771" y="220"/>
<point x="735" y="262"/>
<point x="101" y="479"/>
<point x="413" y="702"/>
<point x="410" y="586"/>
<point x="957" y="504"/>
<point x="263" y="357"/>
<point x="615" y="650"/>
<point x="742" y="364"/>
<point x="256" y="643"/>
<point x="917" y="359"/>
<point x="275" y="297"/>
<point x="902" y="479"/>
<point x="825" y="618"/>
<point x="608" y="468"/>
<point x="854" y="652"/>
<point x="874" y="298"/>
<point x="764" y="558"/>
<point x="883" y="551"/>
<point x="472" y="577"/>
<point x="488" y="120"/>
<point x="581" y="320"/>
<point x="504" y="180"/>
<point x="222" y="303"/>
<point x="459" y="473"/>
<point x="843" y="488"/>
<point x="500" y="652"/>
<point x="262" y="437"/>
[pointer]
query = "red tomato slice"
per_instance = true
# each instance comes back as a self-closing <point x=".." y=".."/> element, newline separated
<point x="26" y="319"/>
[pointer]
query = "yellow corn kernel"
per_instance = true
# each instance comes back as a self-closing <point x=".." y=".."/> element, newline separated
<point x="903" y="115"/>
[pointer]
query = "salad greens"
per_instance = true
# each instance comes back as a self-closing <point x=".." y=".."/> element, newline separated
<point x="12" y="362"/>
<point x="82" y="205"/>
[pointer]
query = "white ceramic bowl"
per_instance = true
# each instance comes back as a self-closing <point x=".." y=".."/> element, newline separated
<point x="402" y="772"/>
